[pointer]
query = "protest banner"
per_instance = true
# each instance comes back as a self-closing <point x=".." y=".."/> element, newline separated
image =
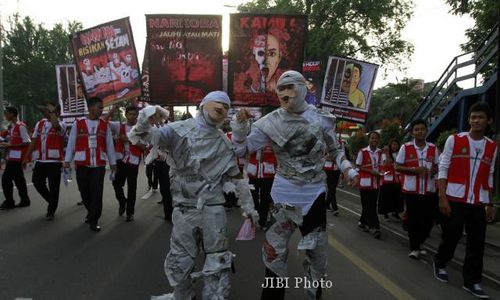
<point x="347" y="88"/>
<point x="184" y="57"/>
<point x="261" y="48"/>
<point x="107" y="62"/>
<point x="69" y="92"/>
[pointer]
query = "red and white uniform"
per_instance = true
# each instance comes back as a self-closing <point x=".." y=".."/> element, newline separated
<point x="262" y="163"/>
<point x="468" y="165"/>
<point x="369" y="159"/>
<point x="18" y="135"/>
<point x="389" y="170"/>
<point x="128" y="153"/>
<point x="330" y="166"/>
<point x="49" y="142"/>
<point x="411" y="156"/>
<point x="91" y="143"/>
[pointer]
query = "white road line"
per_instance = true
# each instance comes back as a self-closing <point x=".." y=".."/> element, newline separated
<point x="405" y="237"/>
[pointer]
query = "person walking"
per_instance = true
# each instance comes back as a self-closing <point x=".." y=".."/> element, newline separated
<point x="465" y="191"/>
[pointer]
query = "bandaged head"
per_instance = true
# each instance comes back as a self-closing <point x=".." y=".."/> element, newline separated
<point x="214" y="107"/>
<point x="291" y="89"/>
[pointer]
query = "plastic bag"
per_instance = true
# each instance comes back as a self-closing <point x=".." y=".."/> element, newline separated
<point x="247" y="231"/>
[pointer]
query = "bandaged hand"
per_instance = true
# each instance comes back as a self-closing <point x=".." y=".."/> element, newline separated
<point x="352" y="177"/>
<point x="242" y="188"/>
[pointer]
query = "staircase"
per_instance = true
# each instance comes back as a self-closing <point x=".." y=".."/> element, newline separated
<point x="470" y="77"/>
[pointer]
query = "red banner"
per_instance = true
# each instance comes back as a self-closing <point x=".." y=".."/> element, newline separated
<point x="107" y="61"/>
<point x="262" y="47"/>
<point x="184" y="56"/>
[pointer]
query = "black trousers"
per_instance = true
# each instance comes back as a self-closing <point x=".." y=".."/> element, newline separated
<point x="422" y="210"/>
<point x="51" y="172"/>
<point x="369" y="215"/>
<point x="332" y="180"/>
<point x="315" y="218"/>
<point x="390" y="200"/>
<point x="162" y="170"/>
<point x="473" y="217"/>
<point x="128" y="173"/>
<point x="261" y="195"/>
<point x="14" y="173"/>
<point x="90" y="184"/>
<point x="152" y="176"/>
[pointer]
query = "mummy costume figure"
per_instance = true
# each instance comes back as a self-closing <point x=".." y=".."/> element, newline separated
<point x="202" y="167"/>
<point x="299" y="134"/>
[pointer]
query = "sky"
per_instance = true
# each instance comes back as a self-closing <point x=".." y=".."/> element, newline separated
<point x="434" y="32"/>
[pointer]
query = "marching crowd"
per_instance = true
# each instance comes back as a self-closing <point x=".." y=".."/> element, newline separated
<point x="292" y="159"/>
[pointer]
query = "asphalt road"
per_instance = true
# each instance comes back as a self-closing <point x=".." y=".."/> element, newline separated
<point x="63" y="259"/>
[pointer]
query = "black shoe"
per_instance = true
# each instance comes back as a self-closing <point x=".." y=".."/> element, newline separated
<point x="130" y="218"/>
<point x="440" y="273"/>
<point x="95" y="227"/>
<point x="377" y="234"/>
<point x="79" y="203"/>
<point x="23" y="204"/>
<point x="121" y="210"/>
<point x="476" y="290"/>
<point x="335" y="212"/>
<point x="87" y="221"/>
<point x="362" y="227"/>
<point x="49" y="216"/>
<point x="7" y="206"/>
<point x="160" y="202"/>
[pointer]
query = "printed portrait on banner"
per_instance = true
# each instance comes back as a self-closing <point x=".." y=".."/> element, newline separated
<point x="107" y="62"/>
<point x="347" y="88"/>
<point x="261" y="48"/>
<point x="70" y="92"/>
<point x="314" y="80"/>
<point x="184" y="57"/>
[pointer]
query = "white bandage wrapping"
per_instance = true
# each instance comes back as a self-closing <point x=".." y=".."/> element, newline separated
<point x="245" y="198"/>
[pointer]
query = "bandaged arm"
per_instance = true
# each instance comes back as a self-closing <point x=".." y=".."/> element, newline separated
<point x="245" y="143"/>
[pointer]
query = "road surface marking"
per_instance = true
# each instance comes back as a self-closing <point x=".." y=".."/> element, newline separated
<point x="378" y="277"/>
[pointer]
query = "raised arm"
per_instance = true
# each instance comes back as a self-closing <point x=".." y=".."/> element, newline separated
<point x="245" y="140"/>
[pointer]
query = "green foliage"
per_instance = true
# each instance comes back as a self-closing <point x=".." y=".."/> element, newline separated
<point x="368" y="30"/>
<point x="394" y="101"/>
<point x="31" y="52"/>
<point x="356" y="142"/>
<point x="390" y="130"/>
<point x="485" y="15"/>
<point x="443" y="136"/>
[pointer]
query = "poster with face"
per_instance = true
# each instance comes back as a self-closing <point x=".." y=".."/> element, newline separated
<point x="314" y="80"/>
<point x="262" y="47"/>
<point x="70" y="92"/>
<point x="347" y="88"/>
<point x="184" y="57"/>
<point x="107" y="61"/>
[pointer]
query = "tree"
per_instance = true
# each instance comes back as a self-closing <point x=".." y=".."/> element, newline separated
<point x="31" y="52"/>
<point x="391" y="129"/>
<point x="485" y="15"/>
<point x="368" y="30"/>
<point x="395" y="101"/>
<point x="356" y="142"/>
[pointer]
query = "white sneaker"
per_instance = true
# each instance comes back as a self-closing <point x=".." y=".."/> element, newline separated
<point x="148" y="194"/>
<point x="422" y="252"/>
<point x="415" y="254"/>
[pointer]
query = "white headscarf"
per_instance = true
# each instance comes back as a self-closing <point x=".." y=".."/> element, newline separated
<point x="216" y="96"/>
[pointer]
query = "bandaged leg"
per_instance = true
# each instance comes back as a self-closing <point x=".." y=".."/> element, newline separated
<point x="218" y="259"/>
<point x="275" y="249"/>
<point x="314" y="243"/>
<point x="184" y="247"/>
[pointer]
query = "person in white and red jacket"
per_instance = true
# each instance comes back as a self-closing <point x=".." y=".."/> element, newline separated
<point x="417" y="161"/>
<point x="128" y="158"/>
<point x="261" y="169"/>
<point x="90" y="143"/>
<point x="47" y="154"/>
<point x="368" y="162"/>
<point x="465" y="191"/>
<point x="17" y="147"/>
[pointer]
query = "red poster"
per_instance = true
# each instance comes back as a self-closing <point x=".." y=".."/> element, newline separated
<point x="107" y="61"/>
<point x="262" y="47"/>
<point x="184" y="57"/>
